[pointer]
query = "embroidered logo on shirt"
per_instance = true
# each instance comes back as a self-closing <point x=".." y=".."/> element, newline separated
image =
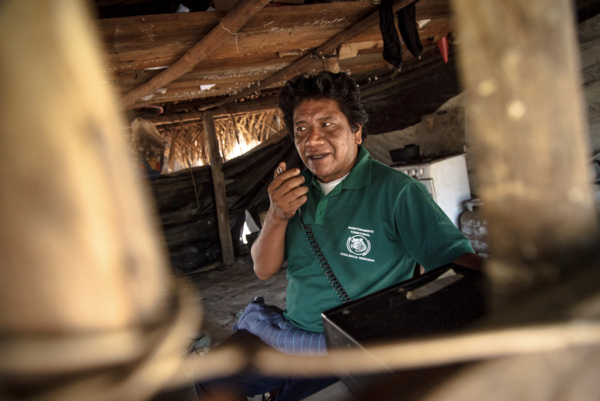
<point x="358" y="245"/>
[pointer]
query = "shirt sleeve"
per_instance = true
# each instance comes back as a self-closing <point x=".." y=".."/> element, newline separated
<point x="425" y="231"/>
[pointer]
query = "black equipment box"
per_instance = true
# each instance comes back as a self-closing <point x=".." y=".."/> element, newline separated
<point x="441" y="301"/>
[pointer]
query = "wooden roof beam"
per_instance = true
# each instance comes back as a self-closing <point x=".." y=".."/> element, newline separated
<point x="228" y="26"/>
<point x="253" y="106"/>
<point x="413" y="72"/>
<point x="298" y="66"/>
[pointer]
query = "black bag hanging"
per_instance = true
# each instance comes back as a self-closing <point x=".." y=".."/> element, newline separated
<point x="407" y="23"/>
<point x="392" y="47"/>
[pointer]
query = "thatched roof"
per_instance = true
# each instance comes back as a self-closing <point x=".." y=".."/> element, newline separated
<point x="187" y="144"/>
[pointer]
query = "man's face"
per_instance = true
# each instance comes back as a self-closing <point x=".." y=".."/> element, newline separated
<point x="324" y="139"/>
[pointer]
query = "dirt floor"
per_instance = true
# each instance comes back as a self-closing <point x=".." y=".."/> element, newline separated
<point x="224" y="294"/>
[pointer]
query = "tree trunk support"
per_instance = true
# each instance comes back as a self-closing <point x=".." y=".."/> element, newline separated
<point x="219" y="187"/>
<point x="530" y="138"/>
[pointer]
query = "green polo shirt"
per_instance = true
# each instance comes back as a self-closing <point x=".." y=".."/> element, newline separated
<point x="372" y="228"/>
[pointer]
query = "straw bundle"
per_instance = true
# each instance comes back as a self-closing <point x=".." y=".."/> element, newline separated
<point x="187" y="145"/>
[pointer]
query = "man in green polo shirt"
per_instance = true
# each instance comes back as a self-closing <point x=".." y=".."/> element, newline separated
<point x="372" y="223"/>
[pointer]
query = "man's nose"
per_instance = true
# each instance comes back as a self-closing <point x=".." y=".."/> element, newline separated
<point x="314" y="137"/>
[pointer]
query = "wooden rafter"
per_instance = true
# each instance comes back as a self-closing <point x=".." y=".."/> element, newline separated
<point x="233" y="109"/>
<point x="232" y="22"/>
<point x="137" y="48"/>
<point x="298" y="66"/>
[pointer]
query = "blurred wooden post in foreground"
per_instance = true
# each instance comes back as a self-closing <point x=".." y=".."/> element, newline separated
<point x="520" y="64"/>
<point x="84" y="282"/>
<point x="79" y="250"/>
<point x="221" y="208"/>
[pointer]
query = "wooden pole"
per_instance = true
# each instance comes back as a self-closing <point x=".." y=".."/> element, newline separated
<point x="227" y="28"/>
<point x="331" y="64"/>
<point x="520" y="65"/>
<point x="88" y="307"/>
<point x="219" y="187"/>
<point x="79" y="250"/>
<point x="297" y="67"/>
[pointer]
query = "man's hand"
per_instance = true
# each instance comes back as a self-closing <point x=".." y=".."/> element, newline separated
<point x="286" y="193"/>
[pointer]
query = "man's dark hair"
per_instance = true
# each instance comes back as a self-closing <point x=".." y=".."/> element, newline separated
<point x="324" y="85"/>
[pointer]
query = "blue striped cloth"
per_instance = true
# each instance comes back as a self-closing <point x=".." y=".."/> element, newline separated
<point x="270" y="326"/>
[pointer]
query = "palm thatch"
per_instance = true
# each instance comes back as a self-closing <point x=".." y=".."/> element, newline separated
<point x="187" y="145"/>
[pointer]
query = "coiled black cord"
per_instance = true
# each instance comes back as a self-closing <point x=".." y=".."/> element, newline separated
<point x="314" y="246"/>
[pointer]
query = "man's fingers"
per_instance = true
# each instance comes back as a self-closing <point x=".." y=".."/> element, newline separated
<point x="283" y="184"/>
<point x="293" y="195"/>
<point x="290" y="185"/>
<point x="284" y="177"/>
<point x="299" y="202"/>
<point x="299" y="191"/>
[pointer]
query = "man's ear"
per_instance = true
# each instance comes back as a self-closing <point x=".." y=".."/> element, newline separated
<point x="358" y="135"/>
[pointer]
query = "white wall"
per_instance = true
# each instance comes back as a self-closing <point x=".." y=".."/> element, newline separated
<point x="442" y="132"/>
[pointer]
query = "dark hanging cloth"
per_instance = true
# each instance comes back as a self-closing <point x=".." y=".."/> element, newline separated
<point x="409" y="29"/>
<point x="392" y="47"/>
<point x="187" y="209"/>
<point x="407" y="23"/>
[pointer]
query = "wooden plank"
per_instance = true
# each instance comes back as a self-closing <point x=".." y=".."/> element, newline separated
<point x="235" y="109"/>
<point x="122" y="35"/>
<point x="244" y="47"/>
<point x="187" y="106"/>
<point x="361" y="64"/>
<point x="136" y="43"/>
<point x="520" y="66"/>
<point x="219" y="187"/>
<point x="236" y="74"/>
<point x="145" y="39"/>
<point x="230" y="78"/>
<point x="212" y="70"/>
<point x="235" y="79"/>
<point x="413" y="71"/>
<point x="227" y="27"/>
<point x="299" y="65"/>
